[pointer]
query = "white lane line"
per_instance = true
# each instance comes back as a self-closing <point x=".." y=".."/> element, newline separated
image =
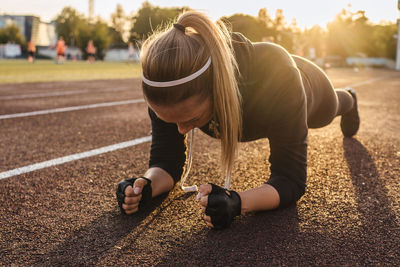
<point x="11" y="97"/>
<point x="62" y="160"/>
<point x="56" y="110"/>
<point x="369" y="81"/>
<point x="76" y="92"/>
<point x="102" y="150"/>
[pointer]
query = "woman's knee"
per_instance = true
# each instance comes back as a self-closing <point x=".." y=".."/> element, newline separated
<point x="324" y="114"/>
<point x="320" y="122"/>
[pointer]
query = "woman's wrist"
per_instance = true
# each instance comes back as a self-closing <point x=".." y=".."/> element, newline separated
<point x="161" y="181"/>
<point x="264" y="197"/>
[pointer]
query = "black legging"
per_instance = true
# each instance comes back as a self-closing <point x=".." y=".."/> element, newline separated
<point x="324" y="102"/>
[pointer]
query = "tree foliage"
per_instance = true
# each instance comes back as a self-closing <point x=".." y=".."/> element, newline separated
<point x="77" y="31"/>
<point x="69" y="24"/>
<point x="118" y="27"/>
<point x="352" y="34"/>
<point x="252" y="27"/>
<point x="383" y="42"/>
<point x="264" y="27"/>
<point x="149" y="18"/>
<point x="313" y="38"/>
<point x="11" y="34"/>
<point x="348" y="34"/>
<point x="99" y="33"/>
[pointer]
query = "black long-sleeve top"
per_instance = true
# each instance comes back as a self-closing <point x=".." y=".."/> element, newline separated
<point x="274" y="106"/>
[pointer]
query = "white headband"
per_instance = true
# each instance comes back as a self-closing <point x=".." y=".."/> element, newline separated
<point x="179" y="81"/>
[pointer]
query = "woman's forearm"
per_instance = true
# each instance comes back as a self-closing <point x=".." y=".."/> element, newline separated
<point x="161" y="181"/>
<point x="264" y="197"/>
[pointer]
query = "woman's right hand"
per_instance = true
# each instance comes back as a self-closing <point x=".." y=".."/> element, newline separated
<point x="133" y="195"/>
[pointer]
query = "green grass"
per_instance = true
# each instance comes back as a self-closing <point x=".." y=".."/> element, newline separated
<point x="21" y="71"/>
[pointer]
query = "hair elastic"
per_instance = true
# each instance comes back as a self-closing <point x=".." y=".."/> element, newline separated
<point x="179" y="27"/>
<point x="179" y="81"/>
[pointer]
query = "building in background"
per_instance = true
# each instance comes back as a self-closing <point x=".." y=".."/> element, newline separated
<point x="43" y="34"/>
<point x="32" y="28"/>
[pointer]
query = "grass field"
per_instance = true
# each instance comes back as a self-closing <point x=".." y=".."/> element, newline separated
<point x="21" y="71"/>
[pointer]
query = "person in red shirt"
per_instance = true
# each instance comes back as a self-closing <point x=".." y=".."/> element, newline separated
<point x="91" y="51"/>
<point x="60" y="48"/>
<point x="31" y="51"/>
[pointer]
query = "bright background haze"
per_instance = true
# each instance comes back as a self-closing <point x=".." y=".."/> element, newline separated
<point x="306" y="12"/>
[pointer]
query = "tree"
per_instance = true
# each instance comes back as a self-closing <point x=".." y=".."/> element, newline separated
<point x="384" y="43"/>
<point x="264" y="28"/>
<point x="100" y="35"/>
<point x="118" y="28"/>
<point x="349" y="34"/>
<point x="339" y="34"/>
<point x="265" y="18"/>
<point x="77" y="31"/>
<point x="68" y="25"/>
<point x="279" y="21"/>
<point x="149" y="18"/>
<point x="11" y="34"/>
<point x="352" y="34"/>
<point x="282" y="33"/>
<point x="361" y="29"/>
<point x="250" y="26"/>
<point x="315" y="38"/>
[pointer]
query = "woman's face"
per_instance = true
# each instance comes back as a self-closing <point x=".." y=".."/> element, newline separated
<point x="187" y="114"/>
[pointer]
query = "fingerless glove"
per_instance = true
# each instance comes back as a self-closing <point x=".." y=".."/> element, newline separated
<point x="223" y="205"/>
<point x="146" y="192"/>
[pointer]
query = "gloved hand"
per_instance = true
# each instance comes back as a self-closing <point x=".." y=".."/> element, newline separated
<point x="222" y="205"/>
<point x="133" y="194"/>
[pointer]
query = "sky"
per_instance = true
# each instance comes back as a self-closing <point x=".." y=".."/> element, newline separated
<point x="306" y="12"/>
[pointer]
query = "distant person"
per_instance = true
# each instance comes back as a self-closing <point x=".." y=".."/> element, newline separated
<point x="60" y="48"/>
<point x="31" y="51"/>
<point x="196" y="74"/>
<point x="131" y="52"/>
<point x="312" y="54"/>
<point x="91" y="51"/>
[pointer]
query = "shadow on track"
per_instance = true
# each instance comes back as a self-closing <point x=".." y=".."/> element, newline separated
<point x="88" y="244"/>
<point x="378" y="220"/>
<point x="268" y="238"/>
<point x="276" y="238"/>
<point x="250" y="239"/>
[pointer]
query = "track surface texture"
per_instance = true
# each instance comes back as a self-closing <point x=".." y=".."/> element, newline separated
<point x="67" y="214"/>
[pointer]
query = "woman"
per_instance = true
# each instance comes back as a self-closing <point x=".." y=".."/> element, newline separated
<point x="60" y="48"/>
<point x="31" y="51"/>
<point x="91" y="52"/>
<point x="198" y="75"/>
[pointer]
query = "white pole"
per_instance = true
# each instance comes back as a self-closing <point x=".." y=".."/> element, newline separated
<point x="398" y="46"/>
<point x="398" y="40"/>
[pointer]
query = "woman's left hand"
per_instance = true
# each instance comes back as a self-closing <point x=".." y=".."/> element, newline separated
<point x="219" y="205"/>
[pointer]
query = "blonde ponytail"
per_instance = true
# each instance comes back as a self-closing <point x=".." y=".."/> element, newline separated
<point x="202" y="39"/>
<point x="226" y="95"/>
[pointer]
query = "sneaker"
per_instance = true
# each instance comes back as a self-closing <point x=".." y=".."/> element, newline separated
<point x="350" y="122"/>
